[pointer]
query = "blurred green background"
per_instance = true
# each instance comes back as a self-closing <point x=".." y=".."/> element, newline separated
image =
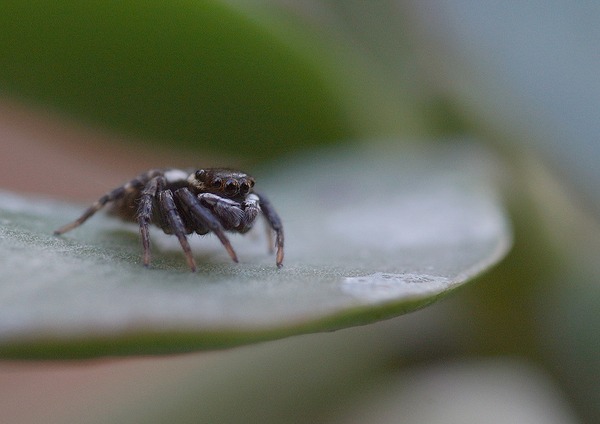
<point x="263" y="80"/>
<point x="195" y="75"/>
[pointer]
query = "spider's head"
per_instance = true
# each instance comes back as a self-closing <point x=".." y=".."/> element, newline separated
<point x="223" y="182"/>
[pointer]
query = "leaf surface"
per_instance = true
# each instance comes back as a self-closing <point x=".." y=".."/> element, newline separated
<point x="368" y="236"/>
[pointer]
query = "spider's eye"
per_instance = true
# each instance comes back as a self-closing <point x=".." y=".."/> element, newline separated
<point x="251" y="182"/>
<point x="200" y="174"/>
<point x="216" y="183"/>
<point x="244" y="187"/>
<point x="231" y="186"/>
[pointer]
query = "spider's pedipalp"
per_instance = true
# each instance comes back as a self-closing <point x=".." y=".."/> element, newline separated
<point x="251" y="209"/>
<point x="204" y="218"/>
<point x="229" y="211"/>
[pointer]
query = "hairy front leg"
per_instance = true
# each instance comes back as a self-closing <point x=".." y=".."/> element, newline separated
<point x="275" y="223"/>
<point x="203" y="218"/>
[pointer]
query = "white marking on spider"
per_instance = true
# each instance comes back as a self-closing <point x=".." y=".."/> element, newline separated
<point x="174" y="175"/>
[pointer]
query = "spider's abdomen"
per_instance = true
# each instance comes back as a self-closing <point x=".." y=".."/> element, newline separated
<point x="126" y="208"/>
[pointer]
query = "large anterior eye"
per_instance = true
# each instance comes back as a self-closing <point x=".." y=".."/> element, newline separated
<point x="231" y="186"/>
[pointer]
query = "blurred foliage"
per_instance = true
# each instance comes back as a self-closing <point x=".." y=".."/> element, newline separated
<point x="196" y="74"/>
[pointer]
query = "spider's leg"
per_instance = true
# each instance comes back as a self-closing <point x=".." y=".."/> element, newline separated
<point x="203" y="218"/>
<point x="229" y="211"/>
<point x="275" y="223"/>
<point x="115" y="194"/>
<point x="175" y="222"/>
<point x="144" y="214"/>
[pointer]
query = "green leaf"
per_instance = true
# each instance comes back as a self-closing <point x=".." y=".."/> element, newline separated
<point x="368" y="236"/>
<point x="198" y="75"/>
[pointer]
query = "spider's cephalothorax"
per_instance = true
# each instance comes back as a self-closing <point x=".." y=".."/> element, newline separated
<point x="182" y="202"/>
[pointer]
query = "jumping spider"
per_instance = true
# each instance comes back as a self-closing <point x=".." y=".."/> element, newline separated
<point x="182" y="202"/>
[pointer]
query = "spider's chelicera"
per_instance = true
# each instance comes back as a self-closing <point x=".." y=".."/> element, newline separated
<point x="182" y="202"/>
